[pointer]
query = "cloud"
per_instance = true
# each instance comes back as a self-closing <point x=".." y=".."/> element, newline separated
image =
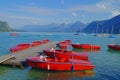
<point x="74" y="14"/>
<point x="32" y="13"/>
<point x="17" y="21"/>
<point x="45" y="11"/>
<point x="44" y="15"/>
<point x="115" y="13"/>
<point x="111" y="6"/>
<point x="101" y="6"/>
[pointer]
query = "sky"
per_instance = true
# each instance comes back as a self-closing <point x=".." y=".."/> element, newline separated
<point x="40" y="12"/>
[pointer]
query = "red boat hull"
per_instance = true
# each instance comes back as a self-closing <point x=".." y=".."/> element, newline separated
<point x="85" y="46"/>
<point x="63" y="45"/>
<point x="36" y="43"/>
<point x="14" y="34"/>
<point x="68" y="42"/>
<point x="76" y="45"/>
<point x="66" y="54"/>
<point x="59" y="65"/>
<point x="45" y="41"/>
<point x="20" y="47"/>
<point x="114" y="46"/>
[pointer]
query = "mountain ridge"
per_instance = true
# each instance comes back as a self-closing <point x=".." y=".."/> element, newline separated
<point x="4" y="27"/>
<point x="63" y="27"/>
<point x="104" y="26"/>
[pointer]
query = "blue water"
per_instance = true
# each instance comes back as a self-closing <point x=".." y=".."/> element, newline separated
<point x="107" y="62"/>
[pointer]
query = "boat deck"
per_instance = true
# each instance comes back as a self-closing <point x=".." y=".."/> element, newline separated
<point x="18" y="57"/>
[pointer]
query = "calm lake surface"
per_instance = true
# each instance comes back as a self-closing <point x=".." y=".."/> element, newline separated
<point x="107" y="62"/>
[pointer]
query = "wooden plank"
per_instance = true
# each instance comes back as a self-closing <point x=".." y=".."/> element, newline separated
<point x="6" y="57"/>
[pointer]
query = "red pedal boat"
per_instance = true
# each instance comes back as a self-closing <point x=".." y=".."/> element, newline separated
<point x="14" y="34"/>
<point x="85" y="46"/>
<point x="20" y="47"/>
<point x="36" y="43"/>
<point x="62" y="64"/>
<point x="63" y="45"/>
<point x="65" y="54"/>
<point x="45" y="41"/>
<point x="114" y="46"/>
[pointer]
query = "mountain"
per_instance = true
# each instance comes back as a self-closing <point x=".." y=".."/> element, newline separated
<point x="75" y="27"/>
<point x="4" y="27"/>
<point x="71" y="27"/>
<point x="104" y="26"/>
<point x="42" y="28"/>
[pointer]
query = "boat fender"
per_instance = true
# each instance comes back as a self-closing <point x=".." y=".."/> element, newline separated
<point x="48" y="67"/>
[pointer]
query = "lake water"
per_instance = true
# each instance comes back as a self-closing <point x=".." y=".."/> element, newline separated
<point x="107" y="62"/>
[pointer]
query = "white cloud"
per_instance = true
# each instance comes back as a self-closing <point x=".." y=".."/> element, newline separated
<point x="74" y="14"/>
<point x="115" y="13"/>
<point x="17" y="21"/>
<point x="111" y="6"/>
<point x="101" y="6"/>
<point x="50" y="11"/>
<point x="42" y="11"/>
<point x="22" y="15"/>
<point x="87" y="8"/>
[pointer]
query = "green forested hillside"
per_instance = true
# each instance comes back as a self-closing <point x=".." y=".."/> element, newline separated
<point x="4" y="27"/>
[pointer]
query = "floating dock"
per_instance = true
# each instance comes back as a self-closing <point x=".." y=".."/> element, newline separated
<point x="16" y="59"/>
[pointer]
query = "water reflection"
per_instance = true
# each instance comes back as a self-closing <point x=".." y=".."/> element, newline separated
<point x="86" y="50"/>
<point x="53" y="75"/>
<point x="3" y="69"/>
<point x="113" y="51"/>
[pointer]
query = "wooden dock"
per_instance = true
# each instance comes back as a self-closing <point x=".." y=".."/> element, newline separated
<point x="16" y="59"/>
